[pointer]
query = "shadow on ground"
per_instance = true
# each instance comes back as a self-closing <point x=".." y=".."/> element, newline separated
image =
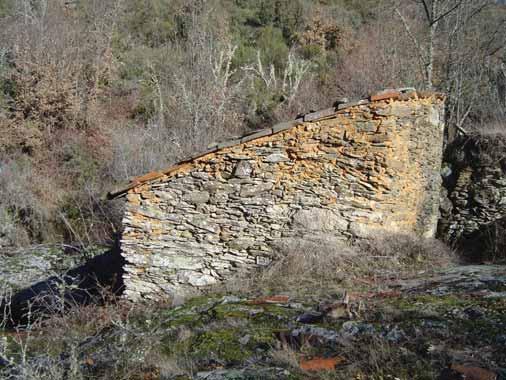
<point x="82" y="285"/>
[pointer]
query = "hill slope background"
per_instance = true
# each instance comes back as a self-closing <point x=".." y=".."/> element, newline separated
<point x="95" y="92"/>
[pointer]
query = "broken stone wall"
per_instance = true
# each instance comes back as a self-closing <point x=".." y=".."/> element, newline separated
<point x="473" y="205"/>
<point x="351" y="172"/>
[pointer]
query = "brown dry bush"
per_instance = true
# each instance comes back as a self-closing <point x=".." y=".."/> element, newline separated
<point x="59" y="60"/>
<point x="379" y="57"/>
<point x="28" y="201"/>
<point x="376" y="56"/>
<point x="52" y="138"/>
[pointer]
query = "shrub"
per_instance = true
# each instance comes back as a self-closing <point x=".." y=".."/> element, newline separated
<point x="11" y="233"/>
<point x="28" y="200"/>
<point x="150" y="23"/>
<point x="189" y="95"/>
<point x="129" y="156"/>
<point x="272" y="46"/>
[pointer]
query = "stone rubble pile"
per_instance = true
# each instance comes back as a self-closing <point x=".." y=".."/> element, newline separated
<point x="476" y="191"/>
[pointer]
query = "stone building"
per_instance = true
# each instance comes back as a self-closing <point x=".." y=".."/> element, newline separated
<point x="352" y="170"/>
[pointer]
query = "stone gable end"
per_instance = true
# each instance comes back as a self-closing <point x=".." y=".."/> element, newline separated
<point x="350" y="173"/>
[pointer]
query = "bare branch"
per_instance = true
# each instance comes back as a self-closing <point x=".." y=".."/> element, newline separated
<point x="427" y="11"/>
<point x="446" y="13"/>
<point x="421" y="56"/>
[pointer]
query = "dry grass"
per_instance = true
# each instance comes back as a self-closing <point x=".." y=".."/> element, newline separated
<point x="373" y="358"/>
<point x="321" y="264"/>
<point x="408" y="252"/>
<point x="75" y="342"/>
<point x="370" y="358"/>
<point x="286" y="358"/>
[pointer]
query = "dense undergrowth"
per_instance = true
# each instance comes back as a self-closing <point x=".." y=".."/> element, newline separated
<point x="95" y="92"/>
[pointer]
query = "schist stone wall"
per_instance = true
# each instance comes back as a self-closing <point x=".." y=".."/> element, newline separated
<point x="474" y="206"/>
<point x="349" y="171"/>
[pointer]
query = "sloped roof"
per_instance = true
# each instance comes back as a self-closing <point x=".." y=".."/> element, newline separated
<point x="339" y="107"/>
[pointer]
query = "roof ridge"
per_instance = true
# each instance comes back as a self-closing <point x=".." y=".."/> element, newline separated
<point x="404" y="93"/>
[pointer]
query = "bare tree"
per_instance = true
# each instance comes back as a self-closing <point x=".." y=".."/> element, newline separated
<point x="288" y="83"/>
<point x="194" y="94"/>
<point x="434" y="13"/>
<point x="454" y="49"/>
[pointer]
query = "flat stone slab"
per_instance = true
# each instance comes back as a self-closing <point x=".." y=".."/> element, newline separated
<point x="228" y="144"/>
<point x="257" y="135"/>
<point x="320" y="114"/>
<point x="284" y="126"/>
<point x="480" y="279"/>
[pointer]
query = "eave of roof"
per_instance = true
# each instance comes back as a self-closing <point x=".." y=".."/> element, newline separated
<point x="388" y="94"/>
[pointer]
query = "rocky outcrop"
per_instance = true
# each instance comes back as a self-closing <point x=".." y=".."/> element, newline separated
<point x="33" y="293"/>
<point x="475" y="199"/>
<point x="348" y="171"/>
<point x="450" y="322"/>
<point x="25" y="266"/>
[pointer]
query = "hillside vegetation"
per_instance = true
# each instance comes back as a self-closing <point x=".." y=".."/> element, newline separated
<point x="95" y="92"/>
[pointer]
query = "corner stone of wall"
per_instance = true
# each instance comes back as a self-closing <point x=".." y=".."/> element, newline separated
<point x="369" y="168"/>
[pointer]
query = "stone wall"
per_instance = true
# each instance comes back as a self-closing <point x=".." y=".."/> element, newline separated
<point x="349" y="171"/>
<point x="474" y="195"/>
